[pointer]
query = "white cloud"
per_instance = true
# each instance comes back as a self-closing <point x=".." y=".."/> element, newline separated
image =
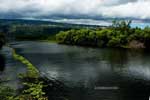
<point x="139" y="9"/>
<point x="106" y="8"/>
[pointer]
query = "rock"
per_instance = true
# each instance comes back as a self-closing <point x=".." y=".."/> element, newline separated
<point x="136" y="44"/>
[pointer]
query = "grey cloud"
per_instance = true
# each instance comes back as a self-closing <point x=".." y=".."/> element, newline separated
<point x="126" y="1"/>
<point x="75" y="8"/>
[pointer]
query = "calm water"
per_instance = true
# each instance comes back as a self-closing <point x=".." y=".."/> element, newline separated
<point x="91" y="73"/>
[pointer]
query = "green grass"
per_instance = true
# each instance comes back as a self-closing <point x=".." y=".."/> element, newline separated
<point x="33" y="87"/>
<point x="31" y="69"/>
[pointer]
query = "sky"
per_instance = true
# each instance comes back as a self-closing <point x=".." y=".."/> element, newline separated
<point x="95" y="9"/>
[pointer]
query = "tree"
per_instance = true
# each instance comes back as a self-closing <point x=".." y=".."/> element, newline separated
<point x="121" y="25"/>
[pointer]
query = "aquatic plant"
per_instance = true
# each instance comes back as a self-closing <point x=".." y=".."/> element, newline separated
<point x="6" y="92"/>
<point x="32" y="72"/>
<point x="32" y="86"/>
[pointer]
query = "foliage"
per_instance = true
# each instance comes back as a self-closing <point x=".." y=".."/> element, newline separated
<point x="31" y="70"/>
<point x="120" y="34"/>
<point x="35" y="29"/>
<point x="32" y="91"/>
<point x="33" y="88"/>
<point x="36" y="87"/>
<point x="32" y="85"/>
<point x="35" y="32"/>
<point x="6" y="92"/>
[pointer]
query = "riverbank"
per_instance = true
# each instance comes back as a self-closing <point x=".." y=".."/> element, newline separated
<point x="34" y="86"/>
<point x="31" y="85"/>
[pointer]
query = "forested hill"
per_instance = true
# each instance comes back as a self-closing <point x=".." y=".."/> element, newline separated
<point x="41" y="22"/>
<point x="19" y="29"/>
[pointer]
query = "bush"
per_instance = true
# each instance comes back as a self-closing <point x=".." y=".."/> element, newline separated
<point x="114" y="42"/>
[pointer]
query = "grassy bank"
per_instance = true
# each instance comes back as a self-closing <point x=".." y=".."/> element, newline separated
<point x="32" y="85"/>
<point x="31" y="69"/>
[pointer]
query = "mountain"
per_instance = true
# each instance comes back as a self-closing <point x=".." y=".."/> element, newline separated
<point x="43" y="22"/>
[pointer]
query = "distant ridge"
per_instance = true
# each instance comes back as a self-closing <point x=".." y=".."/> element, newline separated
<point x="41" y="22"/>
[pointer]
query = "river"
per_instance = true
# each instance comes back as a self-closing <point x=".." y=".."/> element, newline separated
<point x="91" y="73"/>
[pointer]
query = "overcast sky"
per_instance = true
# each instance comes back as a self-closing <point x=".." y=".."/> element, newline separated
<point x="79" y="8"/>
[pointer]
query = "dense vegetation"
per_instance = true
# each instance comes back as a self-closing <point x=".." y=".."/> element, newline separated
<point x="120" y="34"/>
<point x="31" y="32"/>
<point x="36" y="32"/>
<point x="34" y="29"/>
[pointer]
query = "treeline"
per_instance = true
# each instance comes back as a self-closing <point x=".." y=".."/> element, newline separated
<point x="34" y="29"/>
<point x="36" y="32"/>
<point x="120" y="34"/>
<point x="26" y="30"/>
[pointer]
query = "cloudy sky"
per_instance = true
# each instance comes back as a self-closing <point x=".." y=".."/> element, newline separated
<point x="138" y="9"/>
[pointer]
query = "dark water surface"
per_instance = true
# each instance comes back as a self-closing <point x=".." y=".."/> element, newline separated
<point x="92" y="73"/>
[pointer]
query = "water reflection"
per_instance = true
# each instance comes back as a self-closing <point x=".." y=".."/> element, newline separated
<point x="81" y="69"/>
<point x="2" y="63"/>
